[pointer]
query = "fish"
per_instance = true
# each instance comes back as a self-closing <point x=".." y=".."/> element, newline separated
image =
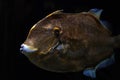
<point x="71" y="42"/>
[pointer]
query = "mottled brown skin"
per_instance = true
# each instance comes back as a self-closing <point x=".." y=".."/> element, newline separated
<point x="88" y="42"/>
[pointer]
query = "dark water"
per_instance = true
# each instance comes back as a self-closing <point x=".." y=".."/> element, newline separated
<point x="18" y="16"/>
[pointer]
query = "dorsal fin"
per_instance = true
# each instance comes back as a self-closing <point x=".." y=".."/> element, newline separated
<point x="96" y="12"/>
<point x="55" y="12"/>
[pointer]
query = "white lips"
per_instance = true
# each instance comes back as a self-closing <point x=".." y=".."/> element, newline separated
<point x="27" y="49"/>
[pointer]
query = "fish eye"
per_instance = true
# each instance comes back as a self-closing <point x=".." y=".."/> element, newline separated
<point x="56" y="31"/>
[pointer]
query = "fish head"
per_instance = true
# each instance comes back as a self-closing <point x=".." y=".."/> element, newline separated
<point x="47" y="36"/>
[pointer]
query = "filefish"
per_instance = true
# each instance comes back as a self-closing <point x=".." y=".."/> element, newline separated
<point x="71" y="42"/>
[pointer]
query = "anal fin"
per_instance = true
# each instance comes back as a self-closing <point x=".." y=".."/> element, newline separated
<point x="90" y="73"/>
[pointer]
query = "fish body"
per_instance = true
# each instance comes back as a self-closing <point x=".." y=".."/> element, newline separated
<point x="69" y="42"/>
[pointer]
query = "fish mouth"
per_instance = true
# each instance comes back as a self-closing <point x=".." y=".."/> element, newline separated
<point x="27" y="49"/>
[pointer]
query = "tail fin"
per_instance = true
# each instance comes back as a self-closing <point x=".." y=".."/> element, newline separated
<point x="117" y="41"/>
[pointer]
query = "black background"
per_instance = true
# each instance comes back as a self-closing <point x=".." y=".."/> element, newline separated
<point x="18" y="16"/>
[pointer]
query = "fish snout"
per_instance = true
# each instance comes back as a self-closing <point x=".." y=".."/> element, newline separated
<point x="27" y="49"/>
